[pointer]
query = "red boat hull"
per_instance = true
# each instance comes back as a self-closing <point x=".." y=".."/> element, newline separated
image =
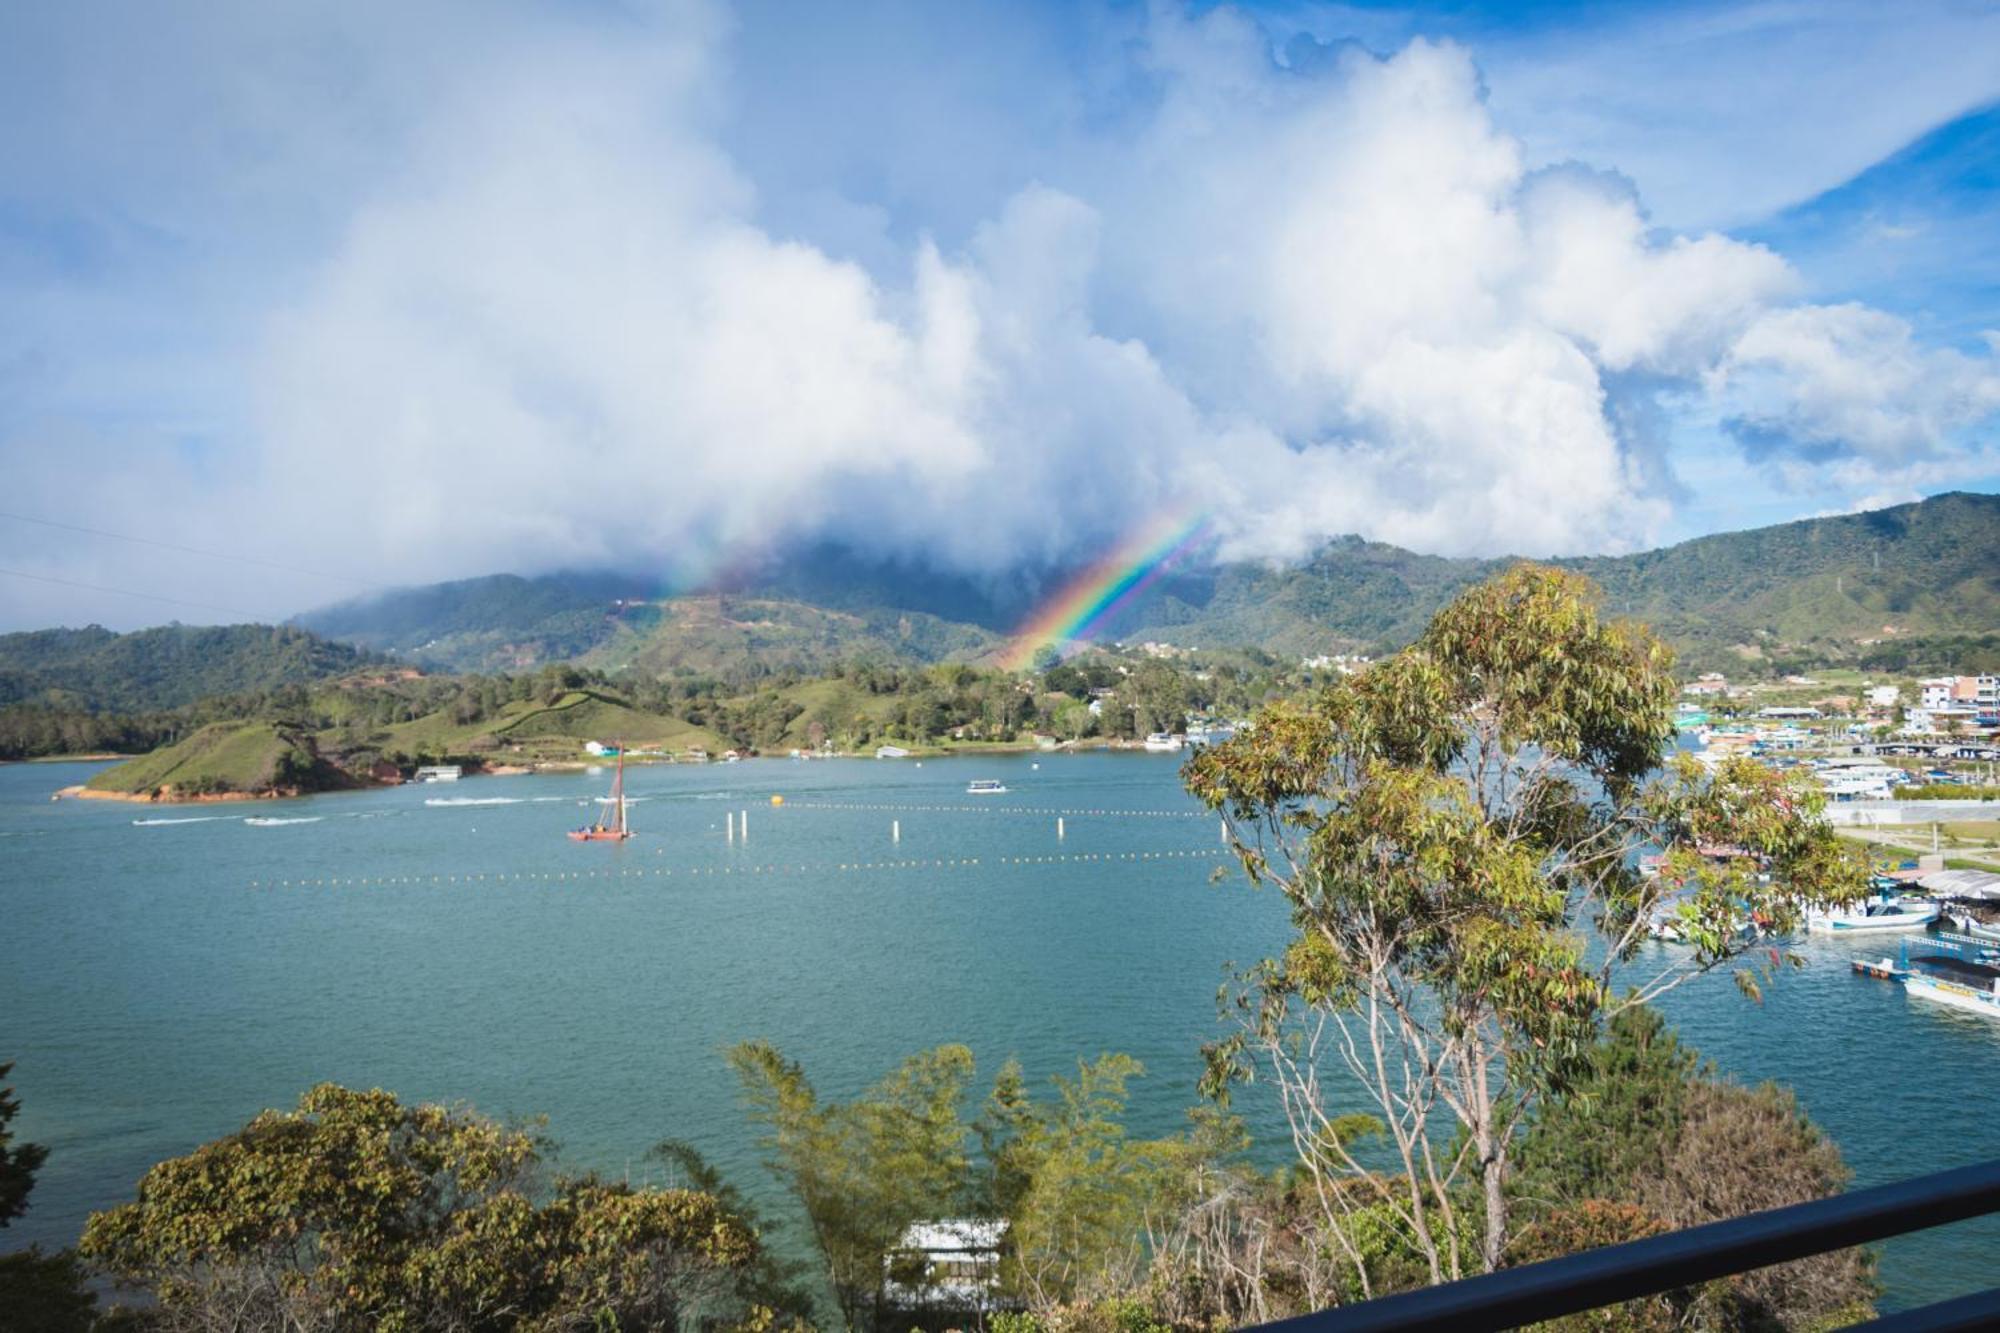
<point x="597" y="835"/>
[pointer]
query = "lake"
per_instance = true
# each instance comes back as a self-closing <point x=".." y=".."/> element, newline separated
<point x="171" y="970"/>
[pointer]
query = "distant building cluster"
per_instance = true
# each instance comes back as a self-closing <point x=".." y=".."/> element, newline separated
<point x="1710" y="684"/>
<point x="1947" y="703"/>
<point x="1344" y="663"/>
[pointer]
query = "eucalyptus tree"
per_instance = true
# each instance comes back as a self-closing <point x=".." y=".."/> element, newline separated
<point x="1458" y="831"/>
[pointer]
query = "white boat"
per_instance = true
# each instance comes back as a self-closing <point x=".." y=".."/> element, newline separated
<point x="891" y="752"/>
<point x="1959" y="994"/>
<point x="1968" y="924"/>
<point x="985" y="787"/>
<point x="1161" y="742"/>
<point x="1958" y="971"/>
<point x="1879" y="913"/>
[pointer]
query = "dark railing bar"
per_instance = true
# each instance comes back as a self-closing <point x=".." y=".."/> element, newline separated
<point x="1516" y="1296"/>
<point x="1977" y="1313"/>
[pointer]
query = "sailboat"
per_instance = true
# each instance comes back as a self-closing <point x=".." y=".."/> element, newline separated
<point x="610" y="825"/>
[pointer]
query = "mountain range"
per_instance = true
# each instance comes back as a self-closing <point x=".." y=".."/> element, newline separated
<point x="1912" y="587"/>
<point x="1818" y="590"/>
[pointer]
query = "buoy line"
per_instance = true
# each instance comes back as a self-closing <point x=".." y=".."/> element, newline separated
<point x="1042" y="810"/>
<point x="710" y="872"/>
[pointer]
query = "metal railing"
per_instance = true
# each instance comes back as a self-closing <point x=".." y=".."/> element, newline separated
<point x="1597" y="1278"/>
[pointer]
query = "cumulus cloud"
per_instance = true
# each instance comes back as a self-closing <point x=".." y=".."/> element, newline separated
<point x="1846" y="383"/>
<point x="1315" y="294"/>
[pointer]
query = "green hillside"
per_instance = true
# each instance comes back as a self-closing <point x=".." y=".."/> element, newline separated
<point x="513" y="624"/>
<point x="225" y="757"/>
<point x="1914" y="578"/>
<point x="1812" y="591"/>
<point x="530" y="730"/>
<point x="95" y="669"/>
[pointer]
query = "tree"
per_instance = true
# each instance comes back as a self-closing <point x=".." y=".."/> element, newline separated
<point x="864" y="1171"/>
<point x="357" y="1211"/>
<point x="18" y="1164"/>
<point x="1456" y="830"/>
<point x="1075" y="1191"/>
<point x="46" y="1293"/>
<point x="1650" y="1131"/>
<point x="1743" y="1150"/>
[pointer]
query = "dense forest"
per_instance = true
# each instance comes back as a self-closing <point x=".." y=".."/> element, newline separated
<point x="95" y="670"/>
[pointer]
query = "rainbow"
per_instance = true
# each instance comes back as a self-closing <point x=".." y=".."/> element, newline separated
<point x="1092" y="597"/>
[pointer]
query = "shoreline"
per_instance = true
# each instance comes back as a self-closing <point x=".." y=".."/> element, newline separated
<point x="84" y="793"/>
<point x="166" y="795"/>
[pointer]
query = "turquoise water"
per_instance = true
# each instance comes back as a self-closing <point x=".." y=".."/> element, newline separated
<point x="164" y="981"/>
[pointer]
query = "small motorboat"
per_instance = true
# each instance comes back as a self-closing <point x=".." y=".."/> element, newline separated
<point x="985" y="787"/>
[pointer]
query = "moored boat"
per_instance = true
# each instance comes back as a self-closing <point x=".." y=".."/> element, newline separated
<point x="1958" y="971"/>
<point x="1881" y="912"/>
<point x="610" y="824"/>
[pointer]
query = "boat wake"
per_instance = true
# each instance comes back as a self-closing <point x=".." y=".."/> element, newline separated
<point x="473" y="800"/>
<point x="185" y="819"/>
<point x="260" y="822"/>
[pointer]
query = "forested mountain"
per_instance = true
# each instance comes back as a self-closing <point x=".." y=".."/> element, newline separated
<point x="94" y="669"/>
<point x="1909" y="587"/>
<point x="1808" y="592"/>
<point x="508" y="623"/>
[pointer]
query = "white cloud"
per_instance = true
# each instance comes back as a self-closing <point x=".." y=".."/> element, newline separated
<point x="564" y="332"/>
<point x="554" y="327"/>
<point x="1849" y="384"/>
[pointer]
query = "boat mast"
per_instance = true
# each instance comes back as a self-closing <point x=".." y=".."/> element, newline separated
<point x="618" y="789"/>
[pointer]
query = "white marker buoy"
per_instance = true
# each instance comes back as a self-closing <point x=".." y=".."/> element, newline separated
<point x="895" y="830"/>
<point x="1059" y="827"/>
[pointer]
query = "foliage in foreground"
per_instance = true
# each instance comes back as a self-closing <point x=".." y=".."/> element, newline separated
<point x="39" y="1293"/>
<point x="1103" y="1232"/>
<point x="1650" y="1139"/>
<point x="357" y="1211"/>
<point x="1457" y="831"/>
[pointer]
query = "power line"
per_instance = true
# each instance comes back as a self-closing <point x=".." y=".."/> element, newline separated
<point x="127" y="592"/>
<point x="192" y="550"/>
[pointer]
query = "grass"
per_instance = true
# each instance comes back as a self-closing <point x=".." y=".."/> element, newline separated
<point x="1885" y="851"/>
<point x="224" y="756"/>
<point x="530" y="729"/>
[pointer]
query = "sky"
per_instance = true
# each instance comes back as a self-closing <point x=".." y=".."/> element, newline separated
<point x="302" y="301"/>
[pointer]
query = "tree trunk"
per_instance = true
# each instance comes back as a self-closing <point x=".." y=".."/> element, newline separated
<point x="1493" y="1170"/>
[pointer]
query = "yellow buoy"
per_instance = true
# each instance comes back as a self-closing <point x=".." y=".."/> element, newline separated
<point x="777" y="800"/>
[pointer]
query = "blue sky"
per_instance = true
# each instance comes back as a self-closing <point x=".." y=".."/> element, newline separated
<point x="393" y="293"/>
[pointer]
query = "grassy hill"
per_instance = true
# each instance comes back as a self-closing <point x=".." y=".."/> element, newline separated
<point x="225" y="757"/>
<point x="529" y="730"/>
<point x="95" y="669"/>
